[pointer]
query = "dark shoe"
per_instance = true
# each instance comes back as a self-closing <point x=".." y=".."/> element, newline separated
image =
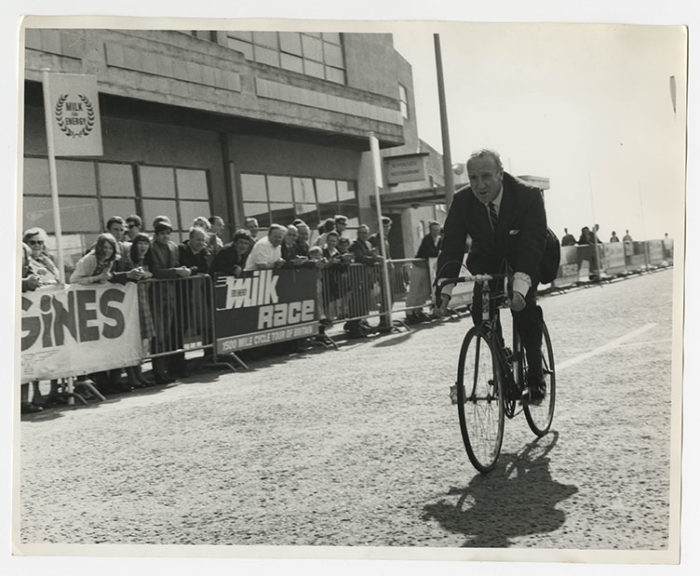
<point x="536" y="392"/>
<point x="31" y="408"/>
<point x="161" y="380"/>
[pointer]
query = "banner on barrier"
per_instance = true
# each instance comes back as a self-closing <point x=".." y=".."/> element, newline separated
<point x="264" y="307"/>
<point x="614" y="258"/>
<point x="75" y="330"/>
<point x="656" y="251"/>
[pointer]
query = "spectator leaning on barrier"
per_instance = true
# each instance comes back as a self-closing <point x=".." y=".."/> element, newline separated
<point x="419" y="286"/>
<point x="165" y="264"/>
<point x="93" y="268"/>
<point x="30" y="281"/>
<point x="41" y="263"/>
<point x="363" y="280"/>
<point x="230" y="261"/>
<point x="134" y="269"/>
<point x="96" y="265"/>
<point x="614" y="237"/>
<point x="586" y="236"/>
<point x="568" y="239"/>
<point x="267" y="252"/>
<point x="289" y="245"/>
<point x="375" y="239"/>
<point x="303" y="235"/>
<point x="194" y="252"/>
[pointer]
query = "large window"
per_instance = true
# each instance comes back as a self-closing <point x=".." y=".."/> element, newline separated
<point x="281" y="199"/>
<point x="91" y="192"/>
<point x="312" y="53"/>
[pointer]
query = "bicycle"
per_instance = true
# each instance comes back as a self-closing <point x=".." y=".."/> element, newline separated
<point x="492" y="379"/>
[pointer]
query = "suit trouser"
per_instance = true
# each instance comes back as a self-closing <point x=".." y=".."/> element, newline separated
<point x="528" y="323"/>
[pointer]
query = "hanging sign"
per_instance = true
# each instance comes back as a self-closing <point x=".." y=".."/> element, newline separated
<point x="75" y="114"/>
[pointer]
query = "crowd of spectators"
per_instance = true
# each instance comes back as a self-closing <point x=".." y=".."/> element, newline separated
<point x="124" y="252"/>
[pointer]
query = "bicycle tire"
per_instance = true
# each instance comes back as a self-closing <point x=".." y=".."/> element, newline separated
<point x="539" y="416"/>
<point x="480" y="400"/>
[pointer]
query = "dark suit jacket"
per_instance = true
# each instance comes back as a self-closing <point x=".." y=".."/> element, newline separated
<point x="226" y="259"/>
<point x="427" y="248"/>
<point x="362" y="252"/>
<point x="519" y="237"/>
<point x="162" y="260"/>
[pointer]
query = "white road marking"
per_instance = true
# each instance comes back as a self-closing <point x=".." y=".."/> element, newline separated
<point x="605" y="347"/>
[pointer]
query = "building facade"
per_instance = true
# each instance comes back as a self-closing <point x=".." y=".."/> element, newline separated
<point x="273" y="125"/>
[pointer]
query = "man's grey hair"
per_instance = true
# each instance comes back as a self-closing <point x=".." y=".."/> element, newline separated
<point x="276" y="227"/>
<point x="198" y="229"/>
<point x="486" y="153"/>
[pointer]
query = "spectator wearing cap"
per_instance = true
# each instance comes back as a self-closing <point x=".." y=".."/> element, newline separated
<point x="375" y="239"/>
<point x="165" y="264"/>
<point x="267" y="252"/>
<point x="419" y="287"/>
<point x="364" y="278"/>
<point x="327" y="226"/>
<point x="230" y="261"/>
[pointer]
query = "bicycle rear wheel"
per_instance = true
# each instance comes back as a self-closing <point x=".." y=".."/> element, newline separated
<point x="480" y="400"/>
<point x="539" y="416"/>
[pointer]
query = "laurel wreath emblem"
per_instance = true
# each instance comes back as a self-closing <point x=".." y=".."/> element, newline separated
<point x="90" y="121"/>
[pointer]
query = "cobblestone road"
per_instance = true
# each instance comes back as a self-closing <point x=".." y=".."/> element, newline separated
<point x="361" y="446"/>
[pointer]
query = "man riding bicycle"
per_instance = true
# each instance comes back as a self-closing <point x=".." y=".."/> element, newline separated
<point x="506" y="221"/>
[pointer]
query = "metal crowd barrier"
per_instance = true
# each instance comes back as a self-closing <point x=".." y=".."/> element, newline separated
<point x="580" y="264"/>
<point x="177" y="315"/>
<point x="351" y="291"/>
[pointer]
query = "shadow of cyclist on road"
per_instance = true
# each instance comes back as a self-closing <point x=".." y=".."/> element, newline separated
<point x="519" y="497"/>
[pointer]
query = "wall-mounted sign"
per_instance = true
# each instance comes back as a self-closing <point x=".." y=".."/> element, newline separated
<point x="405" y="168"/>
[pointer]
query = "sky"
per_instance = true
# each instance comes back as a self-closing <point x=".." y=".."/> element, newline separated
<point x="588" y="106"/>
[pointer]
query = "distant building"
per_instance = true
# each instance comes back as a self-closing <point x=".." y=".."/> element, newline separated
<point x="266" y="124"/>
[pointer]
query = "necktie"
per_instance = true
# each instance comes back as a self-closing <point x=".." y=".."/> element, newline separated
<point x="493" y="215"/>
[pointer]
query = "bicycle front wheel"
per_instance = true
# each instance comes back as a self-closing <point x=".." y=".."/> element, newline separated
<point x="539" y="416"/>
<point x="480" y="400"/>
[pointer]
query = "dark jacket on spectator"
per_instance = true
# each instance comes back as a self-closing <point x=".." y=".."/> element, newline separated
<point x="163" y="260"/>
<point x="226" y="259"/>
<point x="200" y="261"/>
<point x="289" y="252"/>
<point x="302" y="248"/>
<point x="428" y="248"/>
<point x="362" y="252"/>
